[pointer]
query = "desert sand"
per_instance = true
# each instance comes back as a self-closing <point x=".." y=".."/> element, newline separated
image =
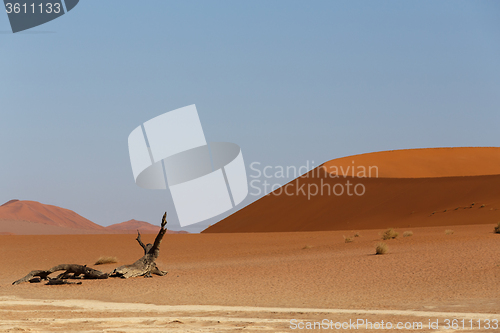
<point x="239" y="280"/>
<point x="251" y="273"/>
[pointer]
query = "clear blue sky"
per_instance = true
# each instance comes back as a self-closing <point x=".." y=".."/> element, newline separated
<point x="289" y="81"/>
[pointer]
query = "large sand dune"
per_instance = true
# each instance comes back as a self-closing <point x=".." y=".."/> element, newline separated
<point x="421" y="187"/>
<point x="424" y="163"/>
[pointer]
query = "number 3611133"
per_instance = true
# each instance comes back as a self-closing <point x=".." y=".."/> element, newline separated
<point x="24" y="8"/>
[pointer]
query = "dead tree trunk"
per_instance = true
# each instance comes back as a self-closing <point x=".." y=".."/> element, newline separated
<point x="71" y="272"/>
<point x="142" y="267"/>
<point x="146" y="265"/>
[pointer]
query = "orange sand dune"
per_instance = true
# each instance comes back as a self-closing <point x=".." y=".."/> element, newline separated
<point x="33" y="218"/>
<point x="132" y="226"/>
<point x="459" y="196"/>
<point x="20" y="227"/>
<point x="32" y="211"/>
<point x="420" y="163"/>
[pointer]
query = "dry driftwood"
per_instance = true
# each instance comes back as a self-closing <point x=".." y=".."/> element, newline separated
<point x="70" y="271"/>
<point x="146" y="265"/>
<point x="142" y="267"/>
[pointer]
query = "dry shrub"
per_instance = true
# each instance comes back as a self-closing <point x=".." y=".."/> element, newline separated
<point x="357" y="234"/>
<point x="348" y="239"/>
<point x="449" y="232"/>
<point x="381" y="248"/>
<point x="407" y="233"/>
<point x="497" y="228"/>
<point x="106" y="260"/>
<point x="307" y="247"/>
<point x="389" y="234"/>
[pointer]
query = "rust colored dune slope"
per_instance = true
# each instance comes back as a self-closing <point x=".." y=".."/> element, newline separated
<point x="35" y="212"/>
<point x="323" y="200"/>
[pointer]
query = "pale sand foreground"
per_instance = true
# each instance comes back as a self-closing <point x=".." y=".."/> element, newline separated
<point x="97" y="316"/>
<point x="223" y="277"/>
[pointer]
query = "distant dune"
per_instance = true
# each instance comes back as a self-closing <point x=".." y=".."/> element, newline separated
<point x="414" y="188"/>
<point x="31" y="217"/>
<point x="131" y="227"/>
<point x="20" y="227"/>
<point x="20" y="217"/>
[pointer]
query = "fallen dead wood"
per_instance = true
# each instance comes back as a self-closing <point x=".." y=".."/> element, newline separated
<point x="70" y="271"/>
<point x="145" y="266"/>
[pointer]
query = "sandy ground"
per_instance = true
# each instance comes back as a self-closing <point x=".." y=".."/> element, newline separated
<point x="257" y="282"/>
<point x="96" y="316"/>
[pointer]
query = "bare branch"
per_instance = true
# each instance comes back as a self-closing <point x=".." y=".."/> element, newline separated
<point x="155" y="250"/>
<point x="140" y="242"/>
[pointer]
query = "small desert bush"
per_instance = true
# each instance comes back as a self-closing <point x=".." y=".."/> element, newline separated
<point x="307" y="247"/>
<point x="348" y="239"/>
<point x="497" y="228"/>
<point x="381" y="248"/>
<point x="106" y="260"/>
<point x="407" y="233"/>
<point x="389" y="234"/>
<point x="449" y="232"/>
<point x="357" y="234"/>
